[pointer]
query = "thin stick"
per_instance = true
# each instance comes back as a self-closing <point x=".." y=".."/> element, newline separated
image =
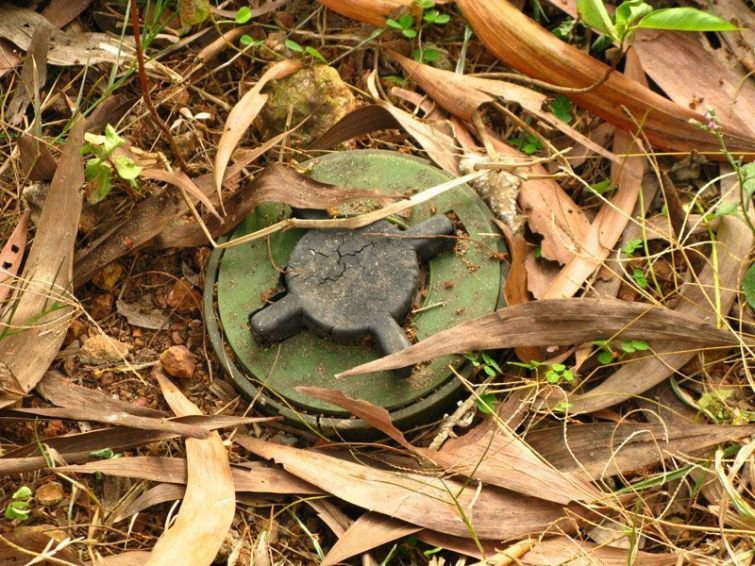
<point x="144" y="84"/>
<point x="355" y="221"/>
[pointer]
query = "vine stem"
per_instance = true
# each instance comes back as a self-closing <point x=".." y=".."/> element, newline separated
<point x="144" y="84"/>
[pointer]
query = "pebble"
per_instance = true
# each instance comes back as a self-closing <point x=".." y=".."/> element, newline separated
<point x="101" y="349"/>
<point x="184" y="298"/>
<point x="178" y="361"/>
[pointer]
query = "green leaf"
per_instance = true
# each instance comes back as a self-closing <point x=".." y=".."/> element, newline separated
<point x="564" y="30"/>
<point x="628" y="13"/>
<point x="748" y="286"/>
<point x="406" y="21"/>
<point x="628" y="347"/>
<point x="639" y="277"/>
<point x="243" y="15"/>
<point x="409" y="33"/>
<point x="594" y="14"/>
<point x="22" y="493"/>
<point x="101" y="176"/>
<point x="391" y="23"/>
<point x="247" y="41"/>
<point x="193" y="12"/>
<point x="568" y="376"/>
<point x="312" y="52"/>
<point x="127" y="168"/>
<point x="395" y="79"/>
<point x="632" y="246"/>
<point x="601" y="187"/>
<point x="425" y="4"/>
<point x="103" y="454"/>
<point x="486" y="403"/>
<point x="558" y="367"/>
<point x="427" y="55"/>
<point x="112" y="140"/>
<point x="18" y="510"/>
<point x="640" y="345"/>
<point x="562" y="109"/>
<point x="685" y="19"/>
<point x="293" y="46"/>
<point x="726" y="209"/>
<point x="748" y="176"/>
<point x="605" y="357"/>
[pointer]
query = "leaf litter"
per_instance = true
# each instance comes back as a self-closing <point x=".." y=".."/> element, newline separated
<point x="557" y="458"/>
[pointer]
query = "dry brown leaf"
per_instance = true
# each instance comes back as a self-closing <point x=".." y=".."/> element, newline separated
<point x="161" y="493"/>
<point x="253" y="479"/>
<point x="155" y="319"/>
<point x="420" y="500"/>
<point x="559" y="322"/>
<point x="33" y="78"/>
<point x="12" y="255"/>
<point x="602" y="450"/>
<point x="74" y="448"/>
<point x="182" y="181"/>
<point x="243" y="114"/>
<point x="130" y="558"/>
<point x="525" y="45"/>
<point x="63" y="392"/>
<point x="462" y="95"/>
<point x="47" y="275"/>
<point x="369" y="531"/>
<point x="549" y="210"/>
<point x="612" y="217"/>
<point x="277" y="183"/>
<point x="692" y="76"/>
<point x="715" y="289"/>
<point x="37" y="163"/>
<point x="742" y="41"/>
<point x="23" y="546"/>
<point x="369" y="11"/>
<point x="565" y="550"/>
<point x="106" y="416"/>
<point x="499" y="458"/>
<point x="209" y="495"/>
<point x="65" y="48"/>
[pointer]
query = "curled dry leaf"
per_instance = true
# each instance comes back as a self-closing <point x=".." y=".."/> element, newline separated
<point x="209" y="495"/>
<point x="11" y="256"/>
<point x="155" y="319"/>
<point x="65" y="48"/>
<point x="612" y="217"/>
<point x="525" y="45"/>
<point x="559" y="322"/>
<point x="33" y="78"/>
<point x="243" y="114"/>
<point x="498" y="458"/>
<point x="369" y="11"/>
<point x="417" y="499"/>
<point x="44" y="305"/>
<point x="707" y="298"/>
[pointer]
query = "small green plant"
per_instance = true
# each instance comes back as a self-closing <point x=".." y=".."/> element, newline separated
<point x="558" y="373"/>
<point x="405" y="24"/>
<point x="526" y="143"/>
<point x="305" y="50"/>
<point x="632" y="246"/>
<point x="243" y="15"/>
<point x="602" y="187"/>
<point x="104" y="454"/>
<point x="19" y="506"/>
<point x="99" y="169"/>
<point x="487" y="364"/>
<point x="639" y="278"/>
<point x="608" y="353"/>
<point x="486" y="403"/>
<point x="562" y="109"/>
<point x="632" y="15"/>
<point x="554" y="373"/>
<point x="748" y="286"/>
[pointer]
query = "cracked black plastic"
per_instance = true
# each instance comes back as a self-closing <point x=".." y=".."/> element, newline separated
<point x="348" y="284"/>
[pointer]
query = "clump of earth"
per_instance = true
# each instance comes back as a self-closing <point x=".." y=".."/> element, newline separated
<point x="315" y="92"/>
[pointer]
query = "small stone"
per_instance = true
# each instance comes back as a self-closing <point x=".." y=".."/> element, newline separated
<point x="178" y="361"/>
<point x="107" y="277"/>
<point x="316" y="93"/>
<point x="101" y="349"/>
<point x="49" y="494"/>
<point x="101" y="305"/>
<point x="184" y="298"/>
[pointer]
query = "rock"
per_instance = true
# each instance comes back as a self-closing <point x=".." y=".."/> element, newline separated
<point x="101" y="349"/>
<point x="107" y="277"/>
<point x="316" y="92"/>
<point x="49" y="494"/>
<point x="178" y="361"/>
<point x="101" y="305"/>
<point x="184" y="298"/>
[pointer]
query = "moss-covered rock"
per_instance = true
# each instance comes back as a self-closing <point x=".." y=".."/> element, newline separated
<point x="316" y="91"/>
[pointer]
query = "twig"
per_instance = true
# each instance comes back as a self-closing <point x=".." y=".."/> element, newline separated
<point x="144" y="84"/>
